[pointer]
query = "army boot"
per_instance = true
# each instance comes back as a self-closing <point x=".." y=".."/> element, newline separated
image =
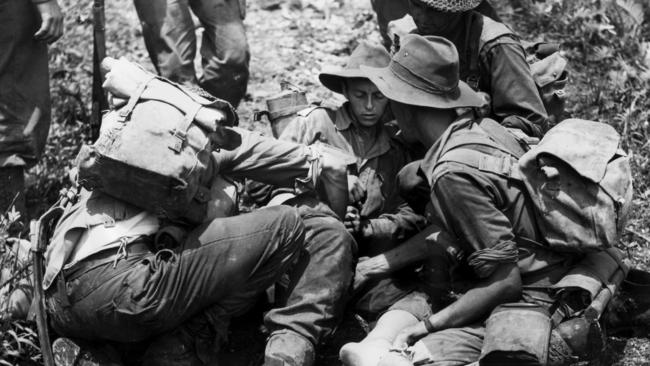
<point x="288" y="348"/>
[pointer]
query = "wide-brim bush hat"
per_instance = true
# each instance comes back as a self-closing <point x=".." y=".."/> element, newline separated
<point x="424" y="72"/>
<point x="450" y="6"/>
<point x="365" y="54"/>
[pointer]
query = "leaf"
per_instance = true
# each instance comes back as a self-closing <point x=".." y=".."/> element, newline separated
<point x="13" y="215"/>
<point x="633" y="9"/>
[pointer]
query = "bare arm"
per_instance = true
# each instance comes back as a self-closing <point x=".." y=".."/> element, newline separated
<point x="504" y="285"/>
<point x="415" y="249"/>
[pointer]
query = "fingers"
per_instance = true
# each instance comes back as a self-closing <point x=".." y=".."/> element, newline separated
<point x="51" y="27"/>
<point x="356" y="191"/>
<point x="352" y="219"/>
<point x="42" y="32"/>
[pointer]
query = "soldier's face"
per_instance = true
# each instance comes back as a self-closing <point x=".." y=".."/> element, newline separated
<point x="421" y="124"/>
<point x="366" y="101"/>
<point x="431" y="22"/>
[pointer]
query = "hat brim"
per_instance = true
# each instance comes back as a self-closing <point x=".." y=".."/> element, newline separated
<point x="396" y="89"/>
<point x="333" y="80"/>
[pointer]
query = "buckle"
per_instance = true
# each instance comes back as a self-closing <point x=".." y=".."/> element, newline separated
<point x="180" y="137"/>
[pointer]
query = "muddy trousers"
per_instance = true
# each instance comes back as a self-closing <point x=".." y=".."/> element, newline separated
<point x="169" y="34"/>
<point x="319" y="283"/>
<point x="217" y="273"/>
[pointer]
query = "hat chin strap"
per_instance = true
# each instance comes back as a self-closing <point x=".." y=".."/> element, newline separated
<point x="421" y="83"/>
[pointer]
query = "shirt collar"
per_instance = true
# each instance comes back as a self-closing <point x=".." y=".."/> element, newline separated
<point x="344" y="122"/>
<point x="343" y="119"/>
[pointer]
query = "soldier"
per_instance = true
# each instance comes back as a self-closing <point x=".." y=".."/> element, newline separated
<point x="104" y="282"/>
<point x="169" y="34"/>
<point x="377" y="217"/>
<point x="26" y="27"/>
<point x="389" y="10"/>
<point x="492" y="60"/>
<point x="486" y="213"/>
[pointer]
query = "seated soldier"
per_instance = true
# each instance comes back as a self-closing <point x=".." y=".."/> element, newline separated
<point x="104" y="282"/>
<point x="377" y="217"/>
<point x="491" y="60"/>
<point x="484" y="212"/>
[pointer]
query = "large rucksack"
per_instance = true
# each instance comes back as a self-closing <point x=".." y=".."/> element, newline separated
<point x="577" y="177"/>
<point x="155" y="151"/>
<point x="547" y="66"/>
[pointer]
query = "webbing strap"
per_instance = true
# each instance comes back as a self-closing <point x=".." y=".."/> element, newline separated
<point x="502" y="165"/>
<point x="180" y="132"/>
<point x="503" y="137"/>
<point x="125" y="112"/>
<point x="473" y="43"/>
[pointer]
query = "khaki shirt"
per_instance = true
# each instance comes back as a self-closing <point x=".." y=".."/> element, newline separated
<point x="505" y="76"/>
<point x="488" y="214"/>
<point x="379" y="158"/>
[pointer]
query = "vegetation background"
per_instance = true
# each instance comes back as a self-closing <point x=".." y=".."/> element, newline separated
<point x="607" y="43"/>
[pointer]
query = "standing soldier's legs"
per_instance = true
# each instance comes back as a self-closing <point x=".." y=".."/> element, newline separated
<point x="317" y="294"/>
<point x="24" y="98"/>
<point x="224" y="49"/>
<point x="169" y="34"/>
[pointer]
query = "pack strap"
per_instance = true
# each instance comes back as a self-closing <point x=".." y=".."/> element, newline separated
<point x="180" y="132"/>
<point x="504" y="165"/>
<point x="126" y="111"/>
<point x="508" y="139"/>
<point x="473" y="44"/>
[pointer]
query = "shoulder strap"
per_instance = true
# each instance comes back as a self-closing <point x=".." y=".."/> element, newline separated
<point x="473" y="42"/>
<point x="307" y="111"/>
<point x="461" y="147"/>
<point x="481" y="34"/>
<point x="504" y="137"/>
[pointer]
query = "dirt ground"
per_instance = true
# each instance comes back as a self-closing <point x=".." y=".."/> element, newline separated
<point x="291" y="43"/>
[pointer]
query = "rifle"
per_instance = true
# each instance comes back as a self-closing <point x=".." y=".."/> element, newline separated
<point x="39" y="235"/>
<point x="99" y="100"/>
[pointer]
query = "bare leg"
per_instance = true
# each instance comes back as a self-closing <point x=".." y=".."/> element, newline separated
<point x="378" y="342"/>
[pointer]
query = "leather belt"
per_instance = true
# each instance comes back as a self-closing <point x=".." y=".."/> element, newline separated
<point x="112" y="255"/>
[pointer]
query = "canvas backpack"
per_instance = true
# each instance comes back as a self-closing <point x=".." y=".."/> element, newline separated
<point x="547" y="66"/>
<point x="153" y="153"/>
<point x="577" y="177"/>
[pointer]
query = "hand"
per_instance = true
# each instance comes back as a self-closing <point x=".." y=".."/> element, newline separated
<point x="352" y="220"/>
<point x="408" y="336"/>
<point x="361" y="275"/>
<point x="356" y="191"/>
<point x="51" y="21"/>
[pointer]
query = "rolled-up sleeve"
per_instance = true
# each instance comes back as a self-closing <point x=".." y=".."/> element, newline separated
<point x="468" y="204"/>
<point x="399" y="225"/>
<point x="515" y="99"/>
<point x="268" y="160"/>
